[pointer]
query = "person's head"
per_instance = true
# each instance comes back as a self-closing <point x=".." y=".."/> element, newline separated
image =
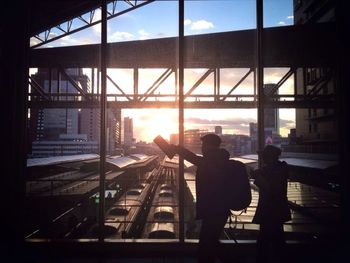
<point x="270" y="154"/>
<point x="210" y="142"/>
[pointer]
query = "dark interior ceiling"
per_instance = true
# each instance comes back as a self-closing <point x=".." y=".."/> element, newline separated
<point x="46" y="14"/>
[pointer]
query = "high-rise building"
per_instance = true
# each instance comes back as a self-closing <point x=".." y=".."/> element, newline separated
<point x="253" y="133"/>
<point x="48" y="124"/>
<point x="118" y="126"/>
<point x="315" y="126"/>
<point x="192" y="139"/>
<point x="241" y="145"/>
<point x="90" y="125"/>
<point x="52" y="124"/>
<point x="128" y="131"/>
<point x="271" y="116"/>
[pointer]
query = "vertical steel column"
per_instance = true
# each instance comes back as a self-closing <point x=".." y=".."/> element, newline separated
<point x="181" y="122"/>
<point x="304" y="82"/>
<point x="176" y="84"/>
<point x="92" y="82"/>
<point x="342" y="112"/>
<point x="255" y="92"/>
<point x="217" y="84"/>
<point x="136" y="84"/>
<point x="103" y="58"/>
<point x="50" y="82"/>
<point x="58" y="83"/>
<point x="260" y="75"/>
<point x="98" y="81"/>
<point x="295" y="83"/>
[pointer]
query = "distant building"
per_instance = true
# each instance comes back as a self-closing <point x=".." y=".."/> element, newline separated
<point x="270" y="136"/>
<point x="315" y="128"/>
<point x="48" y="124"/>
<point x="174" y="139"/>
<point x="241" y="145"/>
<point x="90" y="120"/>
<point x="292" y="137"/>
<point x="128" y="131"/>
<point x="63" y="147"/>
<point x="271" y="123"/>
<point x="52" y="124"/>
<point x="218" y="130"/>
<point x="271" y="116"/>
<point x="253" y="134"/>
<point x="192" y="139"/>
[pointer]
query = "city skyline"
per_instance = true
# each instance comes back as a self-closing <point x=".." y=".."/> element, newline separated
<point x="146" y="119"/>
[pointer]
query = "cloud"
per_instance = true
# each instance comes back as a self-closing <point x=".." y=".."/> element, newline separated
<point x="285" y="126"/>
<point x="282" y="23"/>
<point x="198" y="25"/>
<point x="118" y="36"/>
<point x="233" y="125"/>
<point x="287" y="123"/>
<point x="187" y="22"/>
<point x="230" y="121"/>
<point x="34" y="41"/>
<point x="290" y="17"/>
<point x="143" y="34"/>
<point x="52" y="35"/>
<point x="66" y="38"/>
<point x="97" y="15"/>
<point x="160" y="35"/>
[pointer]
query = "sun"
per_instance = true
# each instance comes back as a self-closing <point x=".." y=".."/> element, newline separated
<point x="162" y="124"/>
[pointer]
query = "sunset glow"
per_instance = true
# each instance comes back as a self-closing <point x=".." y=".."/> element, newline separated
<point x="150" y="123"/>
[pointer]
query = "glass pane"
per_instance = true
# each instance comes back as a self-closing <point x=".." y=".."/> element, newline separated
<point x="142" y="88"/>
<point x="63" y="137"/>
<point x="220" y="98"/>
<point x="63" y="153"/>
<point x="300" y="113"/>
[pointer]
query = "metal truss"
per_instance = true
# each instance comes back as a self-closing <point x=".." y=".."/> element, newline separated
<point x="88" y="20"/>
<point x="153" y="98"/>
<point x="320" y="83"/>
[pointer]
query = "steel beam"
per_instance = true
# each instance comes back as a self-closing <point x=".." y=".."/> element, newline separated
<point x="116" y="85"/>
<point x="103" y="122"/>
<point x="238" y="83"/>
<point x="69" y="78"/>
<point x="181" y="105"/>
<point x="282" y="48"/>
<point x="280" y="82"/>
<point x="199" y="81"/>
<point x="319" y="84"/>
<point x="301" y="104"/>
<point x="37" y="88"/>
<point x="260" y="77"/>
<point x="156" y="84"/>
<point x="65" y="32"/>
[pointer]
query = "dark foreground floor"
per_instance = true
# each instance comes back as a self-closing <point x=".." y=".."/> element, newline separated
<point x="80" y="252"/>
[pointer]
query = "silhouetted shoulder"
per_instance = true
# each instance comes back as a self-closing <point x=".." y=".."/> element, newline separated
<point x="224" y="154"/>
<point x="237" y="164"/>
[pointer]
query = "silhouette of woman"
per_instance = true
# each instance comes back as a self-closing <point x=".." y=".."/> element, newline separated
<point x="272" y="210"/>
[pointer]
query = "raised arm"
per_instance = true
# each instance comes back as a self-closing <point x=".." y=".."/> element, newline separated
<point x="187" y="154"/>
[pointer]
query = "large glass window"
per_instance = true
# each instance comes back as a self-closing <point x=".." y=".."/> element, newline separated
<point x="252" y="84"/>
<point x="142" y="86"/>
<point x="300" y="113"/>
<point x="220" y="96"/>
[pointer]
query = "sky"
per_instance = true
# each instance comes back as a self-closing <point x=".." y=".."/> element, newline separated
<point x="158" y="20"/>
